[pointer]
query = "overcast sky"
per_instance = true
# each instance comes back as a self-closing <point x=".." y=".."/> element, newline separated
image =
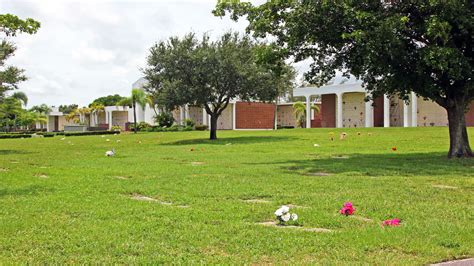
<point x="88" y="49"/>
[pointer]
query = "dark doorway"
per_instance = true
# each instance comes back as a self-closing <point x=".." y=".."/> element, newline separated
<point x="328" y="110"/>
<point x="378" y="112"/>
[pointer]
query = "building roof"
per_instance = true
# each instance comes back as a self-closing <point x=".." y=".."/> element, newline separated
<point x="329" y="89"/>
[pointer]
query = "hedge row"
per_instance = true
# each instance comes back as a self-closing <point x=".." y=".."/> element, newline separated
<point x="50" y="135"/>
<point x="14" y="136"/>
<point x="87" y="133"/>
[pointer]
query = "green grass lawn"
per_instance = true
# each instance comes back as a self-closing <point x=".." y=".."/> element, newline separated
<point x="63" y="201"/>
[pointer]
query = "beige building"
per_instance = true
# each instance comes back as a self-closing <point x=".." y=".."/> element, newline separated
<point x="344" y="105"/>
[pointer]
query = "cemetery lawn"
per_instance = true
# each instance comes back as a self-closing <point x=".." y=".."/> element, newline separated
<point x="178" y="197"/>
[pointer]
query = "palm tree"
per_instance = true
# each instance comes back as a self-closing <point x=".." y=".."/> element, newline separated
<point x="72" y="116"/>
<point x="40" y="112"/>
<point x="299" y="110"/>
<point x="9" y="111"/>
<point x="21" y="96"/>
<point x="138" y="97"/>
<point x="96" y="108"/>
<point x="83" y="112"/>
<point x="152" y="102"/>
<point x="42" y="109"/>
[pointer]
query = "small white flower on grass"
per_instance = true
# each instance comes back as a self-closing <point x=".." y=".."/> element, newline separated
<point x="294" y="216"/>
<point x="63" y="138"/>
<point x="107" y="140"/>
<point x="316" y="145"/>
<point x="282" y="210"/>
<point x="110" y="153"/>
<point x="278" y="212"/>
<point x="283" y="214"/>
<point x="285" y="208"/>
<point x="286" y="217"/>
<point x="103" y="136"/>
<point x="118" y="140"/>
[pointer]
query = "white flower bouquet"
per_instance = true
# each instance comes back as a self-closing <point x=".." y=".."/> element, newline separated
<point x="283" y="215"/>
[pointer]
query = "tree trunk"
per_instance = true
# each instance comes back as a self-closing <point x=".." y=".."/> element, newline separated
<point x="458" y="138"/>
<point x="275" y="116"/>
<point x="213" y="131"/>
<point x="134" y="117"/>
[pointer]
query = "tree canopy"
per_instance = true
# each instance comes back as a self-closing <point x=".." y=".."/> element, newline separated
<point x="209" y="73"/>
<point x="395" y="47"/>
<point x="11" y="25"/>
<point x="109" y="100"/>
<point x="66" y="109"/>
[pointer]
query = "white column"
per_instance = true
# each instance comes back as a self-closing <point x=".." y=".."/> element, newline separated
<point x="106" y="117"/>
<point x="386" y="111"/>
<point x="339" y="111"/>
<point x="186" y="111"/>
<point x="406" y="121"/>
<point x="234" y="115"/>
<point x="47" y="124"/>
<point x="110" y="120"/>
<point x="181" y="115"/>
<point x="308" y="111"/>
<point x="204" y="116"/>
<point x="92" y="119"/>
<point x="414" y="110"/>
<point x="369" y="113"/>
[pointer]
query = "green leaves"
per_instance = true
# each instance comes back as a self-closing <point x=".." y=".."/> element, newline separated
<point x="12" y="25"/>
<point x="139" y="97"/>
<point x="204" y="72"/>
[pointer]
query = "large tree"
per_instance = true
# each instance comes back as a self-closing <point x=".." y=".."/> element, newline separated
<point x="395" y="47"/>
<point x="210" y="73"/>
<point x="109" y="100"/>
<point x="66" y="109"/>
<point x="11" y="25"/>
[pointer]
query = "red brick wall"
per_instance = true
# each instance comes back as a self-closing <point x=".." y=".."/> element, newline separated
<point x="470" y="115"/>
<point x="328" y="110"/>
<point x="378" y="112"/>
<point x="251" y="115"/>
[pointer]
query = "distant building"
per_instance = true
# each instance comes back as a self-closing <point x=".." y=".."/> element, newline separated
<point x="341" y="106"/>
<point x="344" y="106"/>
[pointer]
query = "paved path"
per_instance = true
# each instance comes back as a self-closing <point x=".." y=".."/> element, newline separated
<point x="465" y="262"/>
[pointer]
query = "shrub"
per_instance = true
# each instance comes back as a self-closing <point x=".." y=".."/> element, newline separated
<point x="46" y="134"/>
<point x="164" y="119"/>
<point x="141" y="126"/>
<point x="89" y="133"/>
<point x="201" y="127"/>
<point x="189" y="123"/>
<point x="116" y="128"/>
<point x="14" y="136"/>
<point x="173" y="128"/>
<point x="284" y="127"/>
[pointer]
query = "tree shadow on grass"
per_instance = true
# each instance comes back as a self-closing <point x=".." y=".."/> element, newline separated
<point x="414" y="164"/>
<point x="233" y="140"/>
<point x="24" y="191"/>
<point x="8" y="152"/>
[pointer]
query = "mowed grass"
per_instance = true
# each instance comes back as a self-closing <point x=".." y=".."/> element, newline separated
<point x="63" y="201"/>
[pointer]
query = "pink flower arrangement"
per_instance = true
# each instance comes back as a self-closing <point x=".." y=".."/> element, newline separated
<point x="391" y="222"/>
<point x="348" y="209"/>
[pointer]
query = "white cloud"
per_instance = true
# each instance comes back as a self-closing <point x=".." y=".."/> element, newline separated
<point x="87" y="49"/>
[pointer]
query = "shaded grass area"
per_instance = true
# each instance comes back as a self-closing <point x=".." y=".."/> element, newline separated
<point x="65" y="202"/>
